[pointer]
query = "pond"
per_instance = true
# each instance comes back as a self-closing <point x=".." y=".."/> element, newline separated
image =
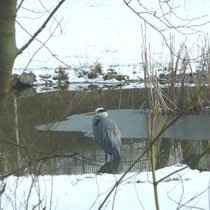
<point x="53" y="124"/>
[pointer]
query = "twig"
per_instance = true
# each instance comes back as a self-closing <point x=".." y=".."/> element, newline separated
<point x="150" y="135"/>
<point x="19" y="6"/>
<point x="29" y="193"/>
<point x="43" y="44"/>
<point x="32" y="163"/>
<point x="40" y="201"/>
<point x="174" y="172"/>
<point x="2" y="190"/>
<point x="40" y="29"/>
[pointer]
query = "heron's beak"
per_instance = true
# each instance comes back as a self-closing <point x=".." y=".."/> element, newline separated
<point x="89" y="113"/>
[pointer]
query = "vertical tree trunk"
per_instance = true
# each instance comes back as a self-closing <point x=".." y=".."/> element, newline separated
<point x="8" y="49"/>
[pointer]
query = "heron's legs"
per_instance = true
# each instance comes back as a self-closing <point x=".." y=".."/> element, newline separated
<point x="106" y="157"/>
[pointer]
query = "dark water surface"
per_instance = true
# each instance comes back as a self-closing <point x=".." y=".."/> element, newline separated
<point x="53" y="124"/>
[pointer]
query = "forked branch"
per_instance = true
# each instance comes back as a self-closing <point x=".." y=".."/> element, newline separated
<point x="40" y="29"/>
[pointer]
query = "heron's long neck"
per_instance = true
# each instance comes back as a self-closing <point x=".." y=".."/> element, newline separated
<point x="103" y="114"/>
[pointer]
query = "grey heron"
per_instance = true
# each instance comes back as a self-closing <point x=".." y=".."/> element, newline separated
<point x="106" y="132"/>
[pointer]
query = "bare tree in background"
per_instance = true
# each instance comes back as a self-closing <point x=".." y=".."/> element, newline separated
<point x="8" y="47"/>
<point x="163" y="17"/>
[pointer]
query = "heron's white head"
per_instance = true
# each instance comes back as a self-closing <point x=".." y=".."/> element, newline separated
<point x="98" y="112"/>
<point x="101" y="112"/>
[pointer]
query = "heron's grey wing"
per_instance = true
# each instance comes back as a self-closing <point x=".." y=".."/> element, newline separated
<point x="107" y="135"/>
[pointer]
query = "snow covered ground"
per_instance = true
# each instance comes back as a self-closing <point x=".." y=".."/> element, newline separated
<point x="104" y="32"/>
<point x="187" y="189"/>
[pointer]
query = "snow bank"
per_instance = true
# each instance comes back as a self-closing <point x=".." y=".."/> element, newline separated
<point x="188" y="188"/>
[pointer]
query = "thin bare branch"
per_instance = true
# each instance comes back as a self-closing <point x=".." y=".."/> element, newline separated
<point x="174" y="172"/>
<point x="43" y="44"/>
<point x="22" y="168"/>
<point x="19" y="6"/>
<point x="40" y="29"/>
<point x="2" y="190"/>
<point x="47" y="10"/>
<point x="159" y="19"/>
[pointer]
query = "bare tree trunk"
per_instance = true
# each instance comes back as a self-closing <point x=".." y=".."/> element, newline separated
<point x="8" y="49"/>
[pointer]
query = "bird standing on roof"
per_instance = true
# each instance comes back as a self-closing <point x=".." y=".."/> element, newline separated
<point x="106" y="132"/>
